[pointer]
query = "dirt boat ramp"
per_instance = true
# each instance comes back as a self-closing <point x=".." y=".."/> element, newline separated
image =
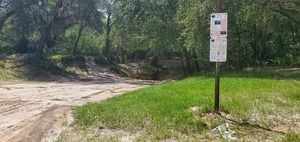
<point x="40" y="111"/>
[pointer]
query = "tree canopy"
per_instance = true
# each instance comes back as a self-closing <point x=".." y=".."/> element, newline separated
<point x="261" y="32"/>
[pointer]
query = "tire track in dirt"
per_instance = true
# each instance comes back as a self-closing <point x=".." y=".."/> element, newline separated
<point x="34" y="112"/>
<point x="47" y="127"/>
<point x="9" y="105"/>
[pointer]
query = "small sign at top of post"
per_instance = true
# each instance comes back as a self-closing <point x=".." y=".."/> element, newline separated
<point x="218" y="34"/>
<point x="218" y="25"/>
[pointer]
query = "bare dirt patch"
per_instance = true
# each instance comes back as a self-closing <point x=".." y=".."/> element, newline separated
<point x="40" y="111"/>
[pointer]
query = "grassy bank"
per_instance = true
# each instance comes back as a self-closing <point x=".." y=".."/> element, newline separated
<point x="252" y="103"/>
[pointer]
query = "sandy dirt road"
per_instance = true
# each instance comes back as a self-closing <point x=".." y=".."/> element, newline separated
<point x="40" y="111"/>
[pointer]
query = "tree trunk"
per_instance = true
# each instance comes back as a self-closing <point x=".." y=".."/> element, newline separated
<point x="74" y="51"/>
<point x="197" y="66"/>
<point x="154" y="62"/>
<point x="187" y="59"/>
<point x="255" y="45"/>
<point x="296" y="31"/>
<point x="122" y="50"/>
<point x="41" y="44"/>
<point x="43" y="40"/>
<point x="122" y="55"/>
<point x="241" y="49"/>
<point x="182" y="66"/>
<point x="106" y="49"/>
<point x="118" y="50"/>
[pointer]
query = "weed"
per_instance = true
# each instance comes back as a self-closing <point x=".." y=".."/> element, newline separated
<point x="94" y="94"/>
<point x="292" y="137"/>
<point x="6" y="88"/>
<point x="2" y="64"/>
<point x="58" y="57"/>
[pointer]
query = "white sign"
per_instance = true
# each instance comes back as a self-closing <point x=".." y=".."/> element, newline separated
<point x="218" y="49"/>
<point x="218" y="25"/>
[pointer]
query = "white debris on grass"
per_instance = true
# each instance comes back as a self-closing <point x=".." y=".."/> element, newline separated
<point x="224" y="131"/>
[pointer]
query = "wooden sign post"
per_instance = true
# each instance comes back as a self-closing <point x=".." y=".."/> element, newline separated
<point x="218" y="46"/>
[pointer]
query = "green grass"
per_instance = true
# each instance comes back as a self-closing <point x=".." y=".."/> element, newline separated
<point x="8" y="75"/>
<point x="59" y="57"/>
<point x="162" y="111"/>
<point x="292" y="137"/>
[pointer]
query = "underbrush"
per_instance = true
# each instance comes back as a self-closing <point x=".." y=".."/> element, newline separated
<point x="30" y="67"/>
<point x="2" y="63"/>
<point x="35" y="67"/>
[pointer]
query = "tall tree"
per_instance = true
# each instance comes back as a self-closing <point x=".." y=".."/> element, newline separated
<point x="86" y="14"/>
<point x="8" y="8"/>
<point x="56" y="16"/>
<point x="193" y="20"/>
<point x="107" y="7"/>
<point x="151" y="24"/>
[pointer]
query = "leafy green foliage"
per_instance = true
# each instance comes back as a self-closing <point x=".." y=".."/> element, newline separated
<point x="89" y="44"/>
<point x="261" y="32"/>
<point x="259" y="35"/>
